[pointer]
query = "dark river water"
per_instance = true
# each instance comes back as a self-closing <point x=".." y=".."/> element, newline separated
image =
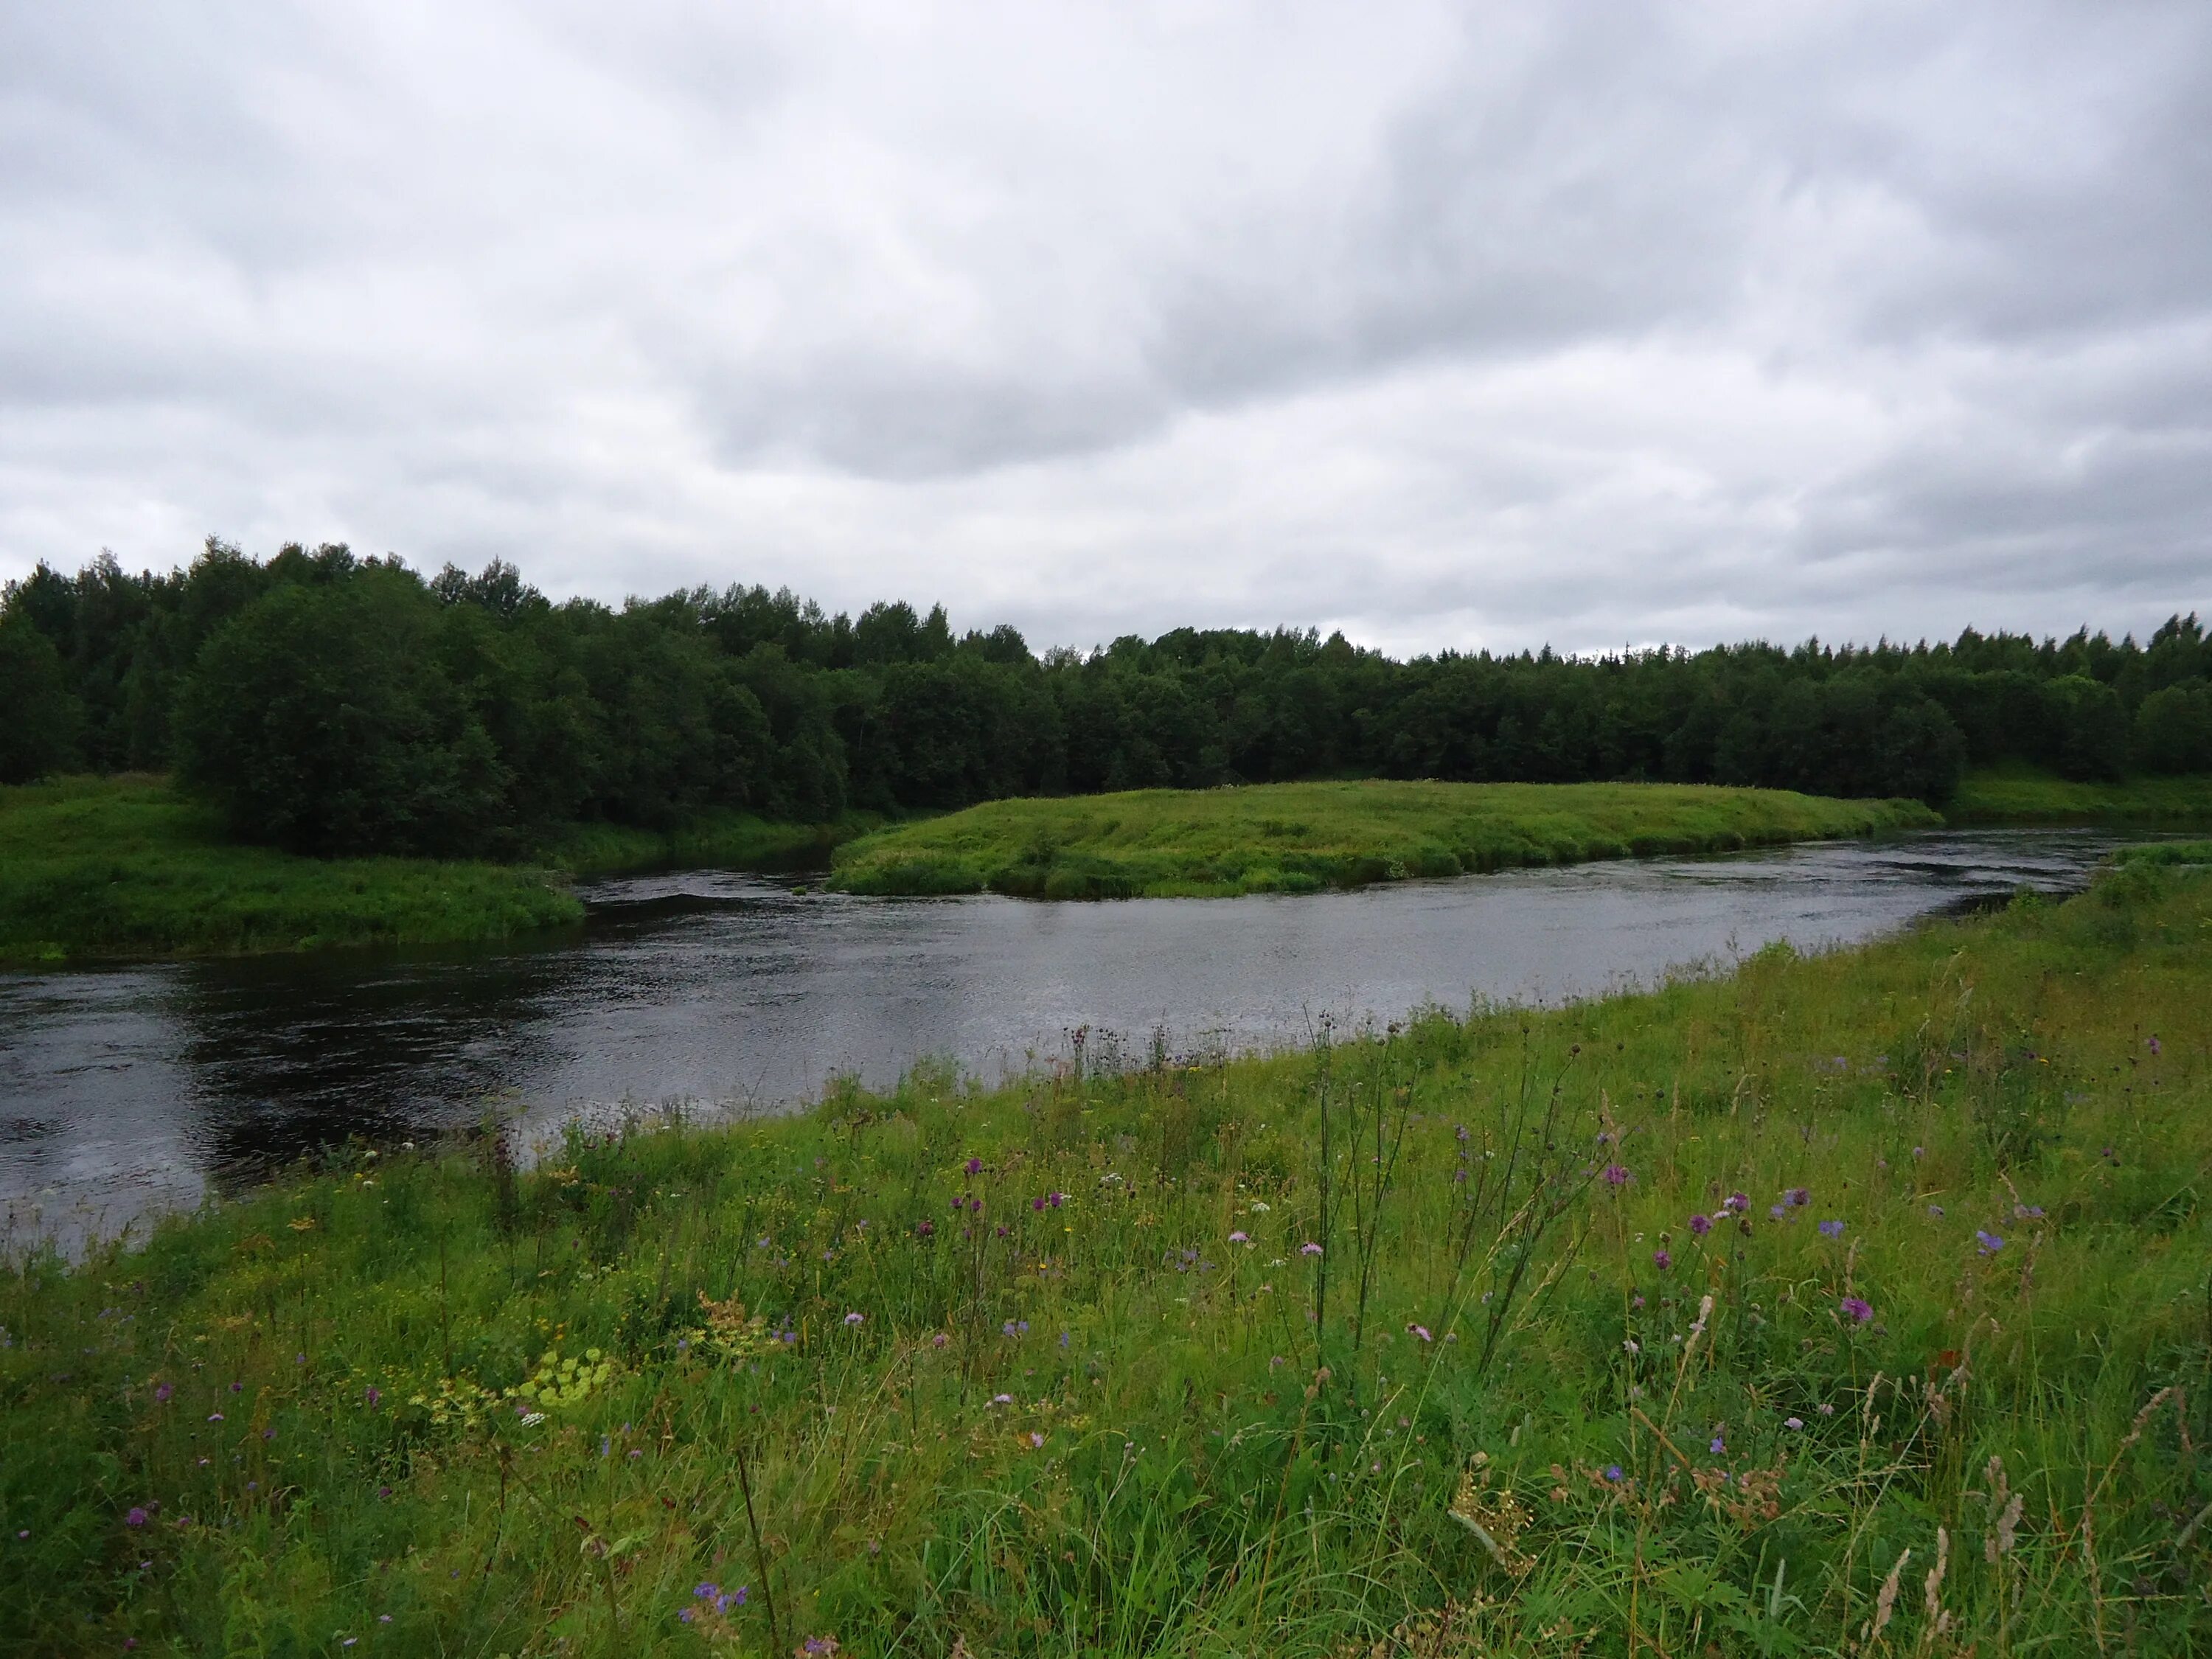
<point x="128" y="1089"/>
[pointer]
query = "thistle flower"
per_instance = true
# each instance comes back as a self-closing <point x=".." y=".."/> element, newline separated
<point x="136" y="1517"/>
<point x="1309" y="1248"/>
<point x="1616" y="1174"/>
<point x="1662" y="1260"/>
<point x="1736" y="1203"/>
<point x="162" y="1391"/>
<point x="1796" y="1197"/>
<point x="1858" y="1308"/>
<point x="1701" y="1225"/>
<point x="974" y="1166"/>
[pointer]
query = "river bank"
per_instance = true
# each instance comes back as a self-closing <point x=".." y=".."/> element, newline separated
<point x="1302" y="837"/>
<point x="1658" y="1321"/>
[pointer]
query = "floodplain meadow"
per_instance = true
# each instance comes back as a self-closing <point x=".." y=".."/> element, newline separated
<point x="1849" y="1303"/>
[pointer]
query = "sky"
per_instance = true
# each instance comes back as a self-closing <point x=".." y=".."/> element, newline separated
<point x="1450" y="326"/>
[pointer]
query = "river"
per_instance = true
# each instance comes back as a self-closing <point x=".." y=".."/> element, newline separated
<point x="129" y="1089"/>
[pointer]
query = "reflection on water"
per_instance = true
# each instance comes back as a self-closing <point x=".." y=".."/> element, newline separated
<point x="131" y="1089"/>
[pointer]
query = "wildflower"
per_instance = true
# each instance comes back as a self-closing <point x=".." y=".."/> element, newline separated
<point x="1920" y="1151"/>
<point x="1612" y="1472"/>
<point x="1990" y="1243"/>
<point x="136" y="1517"/>
<point x="974" y="1166"/>
<point x="373" y="1395"/>
<point x="1055" y="1199"/>
<point x="1309" y="1248"/>
<point x="1701" y="1225"/>
<point x="1662" y="1260"/>
<point x="1002" y="1399"/>
<point x="1719" y="1446"/>
<point x="856" y="1319"/>
<point x="1037" y="1440"/>
<point x="1460" y="1131"/>
<point x="1860" y="1310"/>
<point x="2027" y="1212"/>
<point x="706" y="1592"/>
<point x="1421" y="1331"/>
<point x="214" y="1417"/>
<point x="1239" y="1238"/>
<point x="1777" y="1212"/>
<point x="1616" y="1174"/>
<point x="238" y="1388"/>
<point x="2153" y="1045"/>
<point x="1793" y="1424"/>
<point x="1827" y="1410"/>
<point x="925" y="1229"/>
<point x="1796" y="1197"/>
<point x="1736" y="1203"/>
<point x="1037" y="1204"/>
<point x="1832" y="1229"/>
<point x="939" y="1340"/>
<point x="1063" y="1339"/>
<point x="686" y="1614"/>
<point x="1936" y="1209"/>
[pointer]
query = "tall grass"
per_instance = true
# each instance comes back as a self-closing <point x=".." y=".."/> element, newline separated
<point x="1847" y="1305"/>
<point x="2019" y="793"/>
<point x="1301" y="837"/>
<point x="126" y="866"/>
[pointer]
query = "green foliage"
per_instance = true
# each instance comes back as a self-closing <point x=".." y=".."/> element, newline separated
<point x="1301" y="837"/>
<point x="126" y="866"/>
<point x="38" y="716"/>
<point x="2024" y="794"/>
<point x="339" y="703"/>
<point x="1049" y="1368"/>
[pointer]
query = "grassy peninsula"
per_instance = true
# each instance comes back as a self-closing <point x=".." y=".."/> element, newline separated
<point x="126" y="866"/>
<point x="1853" y="1304"/>
<point x="2019" y="793"/>
<point x="1301" y="837"/>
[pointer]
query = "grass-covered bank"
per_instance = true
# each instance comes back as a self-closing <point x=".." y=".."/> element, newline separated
<point x="120" y="866"/>
<point x="1301" y="837"/>
<point x="127" y="866"/>
<point x="1851" y="1304"/>
<point x="2027" y="794"/>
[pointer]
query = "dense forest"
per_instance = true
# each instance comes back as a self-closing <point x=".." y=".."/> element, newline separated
<point x="334" y="703"/>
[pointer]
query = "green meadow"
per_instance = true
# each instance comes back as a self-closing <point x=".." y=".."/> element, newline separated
<point x="2026" y="794"/>
<point x="125" y="867"/>
<point x="1849" y="1305"/>
<point x="129" y="866"/>
<point x="1301" y="837"/>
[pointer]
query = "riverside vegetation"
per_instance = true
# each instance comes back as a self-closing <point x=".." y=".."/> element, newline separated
<point x="126" y="866"/>
<point x="1848" y="1304"/>
<point x="1301" y="837"/>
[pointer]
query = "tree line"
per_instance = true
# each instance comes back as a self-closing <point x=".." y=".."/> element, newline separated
<point x="334" y="703"/>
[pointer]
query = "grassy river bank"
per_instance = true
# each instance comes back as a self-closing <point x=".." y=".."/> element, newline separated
<point x="1301" y="837"/>
<point x="1850" y="1303"/>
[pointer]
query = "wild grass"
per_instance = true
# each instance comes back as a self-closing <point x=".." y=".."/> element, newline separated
<point x="1851" y="1304"/>
<point x="129" y="866"/>
<point x="1301" y="837"/>
<point x="92" y="867"/>
<point x="2019" y="793"/>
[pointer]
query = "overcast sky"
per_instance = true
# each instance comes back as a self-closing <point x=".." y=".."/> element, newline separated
<point x="1446" y="326"/>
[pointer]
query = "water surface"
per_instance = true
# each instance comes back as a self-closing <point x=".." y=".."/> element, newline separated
<point x="131" y="1089"/>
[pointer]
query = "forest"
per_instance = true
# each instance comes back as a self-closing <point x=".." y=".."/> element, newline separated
<point x="335" y="704"/>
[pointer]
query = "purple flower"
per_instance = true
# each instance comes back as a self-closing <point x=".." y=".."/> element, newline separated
<point x="1793" y="1423"/>
<point x="1662" y="1260"/>
<point x="925" y="1229"/>
<point x="1037" y="1204"/>
<point x="136" y="1517"/>
<point x="1239" y="1238"/>
<point x="856" y="1319"/>
<point x="162" y="1391"/>
<point x="214" y="1417"/>
<point x="1990" y="1243"/>
<point x="974" y="1166"/>
<point x="1936" y="1209"/>
<point x="1616" y="1174"/>
<point x="374" y="1396"/>
<point x="1737" y="1203"/>
<point x="1796" y="1196"/>
<point x="1055" y="1199"/>
<point x="1858" y="1309"/>
<point x="1421" y="1331"/>
<point x="2027" y="1212"/>
<point x="1701" y="1225"/>
<point x="1612" y="1472"/>
<point x="686" y="1616"/>
<point x="1777" y="1210"/>
<point x="2154" y="1049"/>
<point x="706" y="1592"/>
<point x="1719" y="1446"/>
<point x="1309" y="1248"/>
<point x="1832" y="1229"/>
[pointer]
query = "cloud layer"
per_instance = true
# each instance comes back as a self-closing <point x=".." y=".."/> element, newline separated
<point x="1578" y="323"/>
